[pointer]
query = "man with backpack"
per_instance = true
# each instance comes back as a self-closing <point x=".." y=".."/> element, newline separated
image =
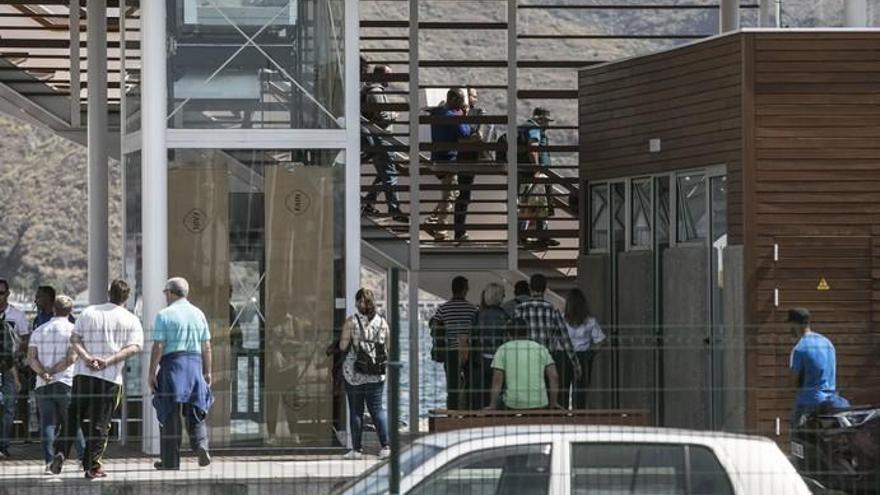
<point x="535" y="201"/>
<point x="13" y="330"/>
<point x="372" y="98"/>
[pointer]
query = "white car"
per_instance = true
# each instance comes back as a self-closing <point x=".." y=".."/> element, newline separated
<point x="582" y="460"/>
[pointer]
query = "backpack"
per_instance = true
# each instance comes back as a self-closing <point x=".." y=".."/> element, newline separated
<point x="7" y="345"/>
<point x="370" y="355"/>
<point x="522" y="140"/>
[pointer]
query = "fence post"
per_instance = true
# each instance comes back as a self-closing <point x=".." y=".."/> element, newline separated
<point x="394" y="366"/>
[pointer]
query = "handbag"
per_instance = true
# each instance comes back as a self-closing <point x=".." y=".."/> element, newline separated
<point x="366" y="363"/>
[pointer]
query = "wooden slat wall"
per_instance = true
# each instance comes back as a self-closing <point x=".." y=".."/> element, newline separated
<point x="817" y="176"/>
<point x="689" y="97"/>
<point x="796" y="118"/>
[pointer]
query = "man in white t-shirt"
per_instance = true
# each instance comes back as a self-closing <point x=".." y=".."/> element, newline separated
<point x="104" y="336"/>
<point x="51" y="357"/>
<point x="15" y="330"/>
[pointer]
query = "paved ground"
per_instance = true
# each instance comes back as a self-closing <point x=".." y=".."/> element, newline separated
<point x="132" y="473"/>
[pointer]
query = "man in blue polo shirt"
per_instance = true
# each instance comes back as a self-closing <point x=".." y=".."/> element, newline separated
<point x="448" y="133"/>
<point x="813" y="367"/>
<point x="181" y="386"/>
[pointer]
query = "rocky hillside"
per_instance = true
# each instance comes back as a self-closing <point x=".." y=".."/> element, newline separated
<point x="43" y="203"/>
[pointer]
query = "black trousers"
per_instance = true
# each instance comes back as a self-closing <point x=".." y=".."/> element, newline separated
<point x="171" y="434"/>
<point x="91" y="408"/>
<point x="461" y="203"/>
<point x="573" y="391"/>
<point x="455" y="391"/>
<point x="479" y="381"/>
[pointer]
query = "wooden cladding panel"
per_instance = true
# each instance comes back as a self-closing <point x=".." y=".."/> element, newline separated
<point x="689" y="98"/>
<point x="817" y="176"/>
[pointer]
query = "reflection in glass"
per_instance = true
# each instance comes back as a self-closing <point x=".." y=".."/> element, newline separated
<point x="618" y="207"/>
<point x="692" y="222"/>
<point x="641" y="213"/>
<point x="599" y="216"/>
<point x="661" y="185"/>
<point x="256" y="65"/>
<point x="132" y="264"/>
<point x="259" y="234"/>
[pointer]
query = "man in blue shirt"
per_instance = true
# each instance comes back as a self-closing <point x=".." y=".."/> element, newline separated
<point x="447" y="133"/>
<point x="813" y="367"/>
<point x="182" y="356"/>
<point x="536" y="197"/>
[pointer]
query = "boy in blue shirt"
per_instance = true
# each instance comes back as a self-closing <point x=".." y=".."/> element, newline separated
<point x="814" y="368"/>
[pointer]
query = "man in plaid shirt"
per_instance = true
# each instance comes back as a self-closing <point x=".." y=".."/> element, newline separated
<point x="547" y="327"/>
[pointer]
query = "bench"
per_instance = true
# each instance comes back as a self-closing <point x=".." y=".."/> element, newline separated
<point x="442" y="420"/>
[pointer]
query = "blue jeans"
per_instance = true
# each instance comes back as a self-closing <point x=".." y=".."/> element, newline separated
<point x="371" y="394"/>
<point x="53" y="402"/>
<point x="7" y="408"/>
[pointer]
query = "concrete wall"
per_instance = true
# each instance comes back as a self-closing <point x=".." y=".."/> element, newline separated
<point x="594" y="278"/>
<point x="637" y="345"/>
<point x="685" y="313"/>
<point x="733" y="341"/>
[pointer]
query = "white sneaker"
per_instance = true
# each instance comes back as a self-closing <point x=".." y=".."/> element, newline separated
<point x="48" y="470"/>
<point x="385" y="453"/>
<point x="353" y="455"/>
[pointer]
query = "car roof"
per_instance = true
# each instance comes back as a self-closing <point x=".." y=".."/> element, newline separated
<point x="630" y="433"/>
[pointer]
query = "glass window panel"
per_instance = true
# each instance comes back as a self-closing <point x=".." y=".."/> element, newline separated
<point x="641" y="210"/>
<point x="618" y="218"/>
<point x="638" y="469"/>
<point x="708" y="477"/>
<point x="515" y="470"/>
<point x="719" y="208"/>
<point x="661" y="185"/>
<point x="599" y="216"/>
<point x="692" y="223"/>
<point x="260" y="236"/>
<point x="256" y="65"/>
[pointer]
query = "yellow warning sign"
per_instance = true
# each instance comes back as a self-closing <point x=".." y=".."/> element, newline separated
<point x="823" y="284"/>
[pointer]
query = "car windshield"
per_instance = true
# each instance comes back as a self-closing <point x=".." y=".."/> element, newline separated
<point x="376" y="480"/>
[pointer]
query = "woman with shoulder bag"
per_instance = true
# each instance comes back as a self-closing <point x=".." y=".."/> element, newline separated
<point x="364" y="341"/>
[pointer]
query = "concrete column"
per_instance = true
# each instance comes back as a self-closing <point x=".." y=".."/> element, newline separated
<point x="98" y="203"/>
<point x="856" y="13"/>
<point x="728" y="16"/>
<point x="154" y="210"/>
<point x="765" y="9"/>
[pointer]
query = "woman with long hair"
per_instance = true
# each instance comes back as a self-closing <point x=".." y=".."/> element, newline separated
<point x="365" y="337"/>
<point x="586" y="337"/>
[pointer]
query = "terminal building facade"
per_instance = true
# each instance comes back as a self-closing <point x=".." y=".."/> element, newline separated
<point x="239" y="134"/>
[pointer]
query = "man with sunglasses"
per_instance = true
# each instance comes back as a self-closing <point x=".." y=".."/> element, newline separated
<point x="13" y="331"/>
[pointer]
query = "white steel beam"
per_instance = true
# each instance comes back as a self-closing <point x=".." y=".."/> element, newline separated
<point x="75" y="68"/>
<point x="857" y="13"/>
<point x="512" y="165"/>
<point x="154" y="170"/>
<point x="414" y="216"/>
<point x="728" y="18"/>
<point x="98" y="188"/>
